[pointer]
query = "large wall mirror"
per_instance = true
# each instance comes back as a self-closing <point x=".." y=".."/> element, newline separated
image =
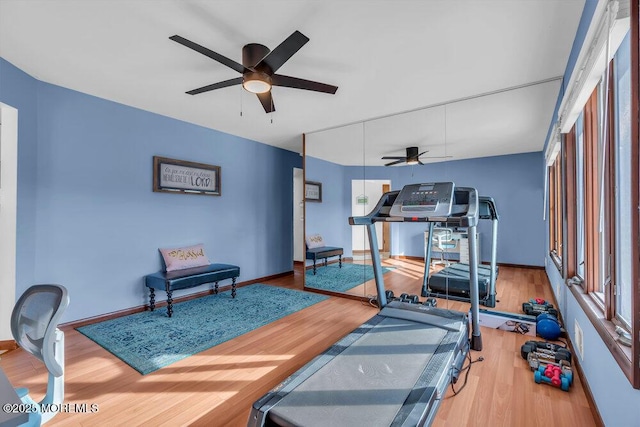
<point x="348" y="162"/>
<point x="492" y="142"/>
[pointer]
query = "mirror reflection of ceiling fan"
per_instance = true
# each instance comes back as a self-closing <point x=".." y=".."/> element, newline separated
<point x="412" y="157"/>
<point x="258" y="69"/>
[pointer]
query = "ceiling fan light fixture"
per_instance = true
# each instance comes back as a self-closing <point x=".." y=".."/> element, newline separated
<point x="256" y="82"/>
<point x="258" y="68"/>
<point x="412" y="161"/>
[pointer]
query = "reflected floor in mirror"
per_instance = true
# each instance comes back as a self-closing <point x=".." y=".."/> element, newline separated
<point x="348" y="277"/>
<point x="405" y="275"/>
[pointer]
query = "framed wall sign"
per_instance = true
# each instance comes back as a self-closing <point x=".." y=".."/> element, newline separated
<point x="313" y="191"/>
<point x="183" y="177"/>
<point x="362" y="200"/>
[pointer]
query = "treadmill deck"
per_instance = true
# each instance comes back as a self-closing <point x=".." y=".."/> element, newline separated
<point x="455" y="279"/>
<point x="393" y="370"/>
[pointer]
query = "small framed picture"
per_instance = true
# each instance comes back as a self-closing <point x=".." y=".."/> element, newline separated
<point x="313" y="191"/>
<point x="183" y="177"/>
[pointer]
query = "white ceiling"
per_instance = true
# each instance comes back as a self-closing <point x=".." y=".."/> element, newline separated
<point x="387" y="57"/>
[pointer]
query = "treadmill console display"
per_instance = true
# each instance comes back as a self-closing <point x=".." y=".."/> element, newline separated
<point x="424" y="200"/>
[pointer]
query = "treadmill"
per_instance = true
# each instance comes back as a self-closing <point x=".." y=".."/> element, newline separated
<point x="395" y="368"/>
<point x="452" y="282"/>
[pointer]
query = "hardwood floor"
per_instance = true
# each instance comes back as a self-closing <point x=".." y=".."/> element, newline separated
<point x="218" y="386"/>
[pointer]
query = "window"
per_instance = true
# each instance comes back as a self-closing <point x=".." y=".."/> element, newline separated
<point x="592" y="195"/>
<point x="601" y="184"/>
<point x="555" y="211"/>
<point x="579" y="191"/>
<point x="622" y="126"/>
<point x="592" y="218"/>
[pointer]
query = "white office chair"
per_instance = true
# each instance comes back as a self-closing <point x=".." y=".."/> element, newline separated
<point x="34" y="322"/>
<point x="443" y="241"/>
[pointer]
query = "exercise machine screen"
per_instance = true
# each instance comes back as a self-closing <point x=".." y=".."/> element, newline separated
<point x="420" y="201"/>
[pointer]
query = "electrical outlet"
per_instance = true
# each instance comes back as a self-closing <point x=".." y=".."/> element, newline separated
<point x="578" y="341"/>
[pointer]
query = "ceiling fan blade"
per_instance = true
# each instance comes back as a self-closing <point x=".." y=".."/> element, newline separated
<point x="422" y="153"/>
<point x="437" y="157"/>
<point x="281" y="54"/>
<point x="419" y="162"/>
<point x="219" y="85"/>
<point x="211" y="54"/>
<point x="393" y="157"/>
<point x="296" y="83"/>
<point x="395" y="163"/>
<point x="267" y="102"/>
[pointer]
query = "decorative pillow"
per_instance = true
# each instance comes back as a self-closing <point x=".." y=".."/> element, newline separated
<point x="315" y="241"/>
<point x="187" y="257"/>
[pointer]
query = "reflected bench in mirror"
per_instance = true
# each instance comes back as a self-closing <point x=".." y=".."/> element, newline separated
<point x="317" y="250"/>
<point x="324" y="252"/>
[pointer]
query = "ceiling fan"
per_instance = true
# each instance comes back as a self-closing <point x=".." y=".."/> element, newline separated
<point x="258" y="68"/>
<point x="412" y="157"/>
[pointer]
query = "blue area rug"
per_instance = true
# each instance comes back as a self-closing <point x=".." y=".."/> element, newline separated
<point x="334" y="278"/>
<point x="150" y="340"/>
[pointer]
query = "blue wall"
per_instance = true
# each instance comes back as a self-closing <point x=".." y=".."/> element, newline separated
<point x="87" y="217"/>
<point x="329" y="218"/>
<point x="513" y="181"/>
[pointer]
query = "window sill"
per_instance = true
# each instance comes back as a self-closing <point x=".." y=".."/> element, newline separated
<point x="607" y="331"/>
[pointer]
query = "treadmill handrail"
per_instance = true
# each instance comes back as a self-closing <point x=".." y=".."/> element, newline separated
<point x="493" y="211"/>
<point x="387" y="199"/>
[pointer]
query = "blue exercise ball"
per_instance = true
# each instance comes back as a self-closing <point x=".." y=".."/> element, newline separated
<point x="548" y="327"/>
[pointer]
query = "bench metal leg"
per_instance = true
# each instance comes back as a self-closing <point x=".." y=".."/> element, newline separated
<point x="152" y="299"/>
<point x="325" y="262"/>
<point x="169" y="303"/>
<point x="233" y="287"/>
<point x="340" y="260"/>
<point x="314" y="266"/>
<point x="215" y="289"/>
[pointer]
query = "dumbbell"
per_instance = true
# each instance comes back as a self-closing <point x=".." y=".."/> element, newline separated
<point x="413" y="299"/>
<point x="555" y="375"/>
<point x="553" y="372"/>
<point x="557" y="351"/>
<point x="430" y="302"/>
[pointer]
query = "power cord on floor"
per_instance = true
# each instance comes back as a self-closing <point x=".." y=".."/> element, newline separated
<point x="372" y="300"/>
<point x="466" y="375"/>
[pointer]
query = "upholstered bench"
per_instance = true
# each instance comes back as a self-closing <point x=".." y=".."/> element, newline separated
<point x="189" y="278"/>
<point x="324" y="252"/>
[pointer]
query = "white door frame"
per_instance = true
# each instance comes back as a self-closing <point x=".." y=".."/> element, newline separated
<point x="8" y="209"/>
<point x="298" y="215"/>
<point x="365" y="194"/>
